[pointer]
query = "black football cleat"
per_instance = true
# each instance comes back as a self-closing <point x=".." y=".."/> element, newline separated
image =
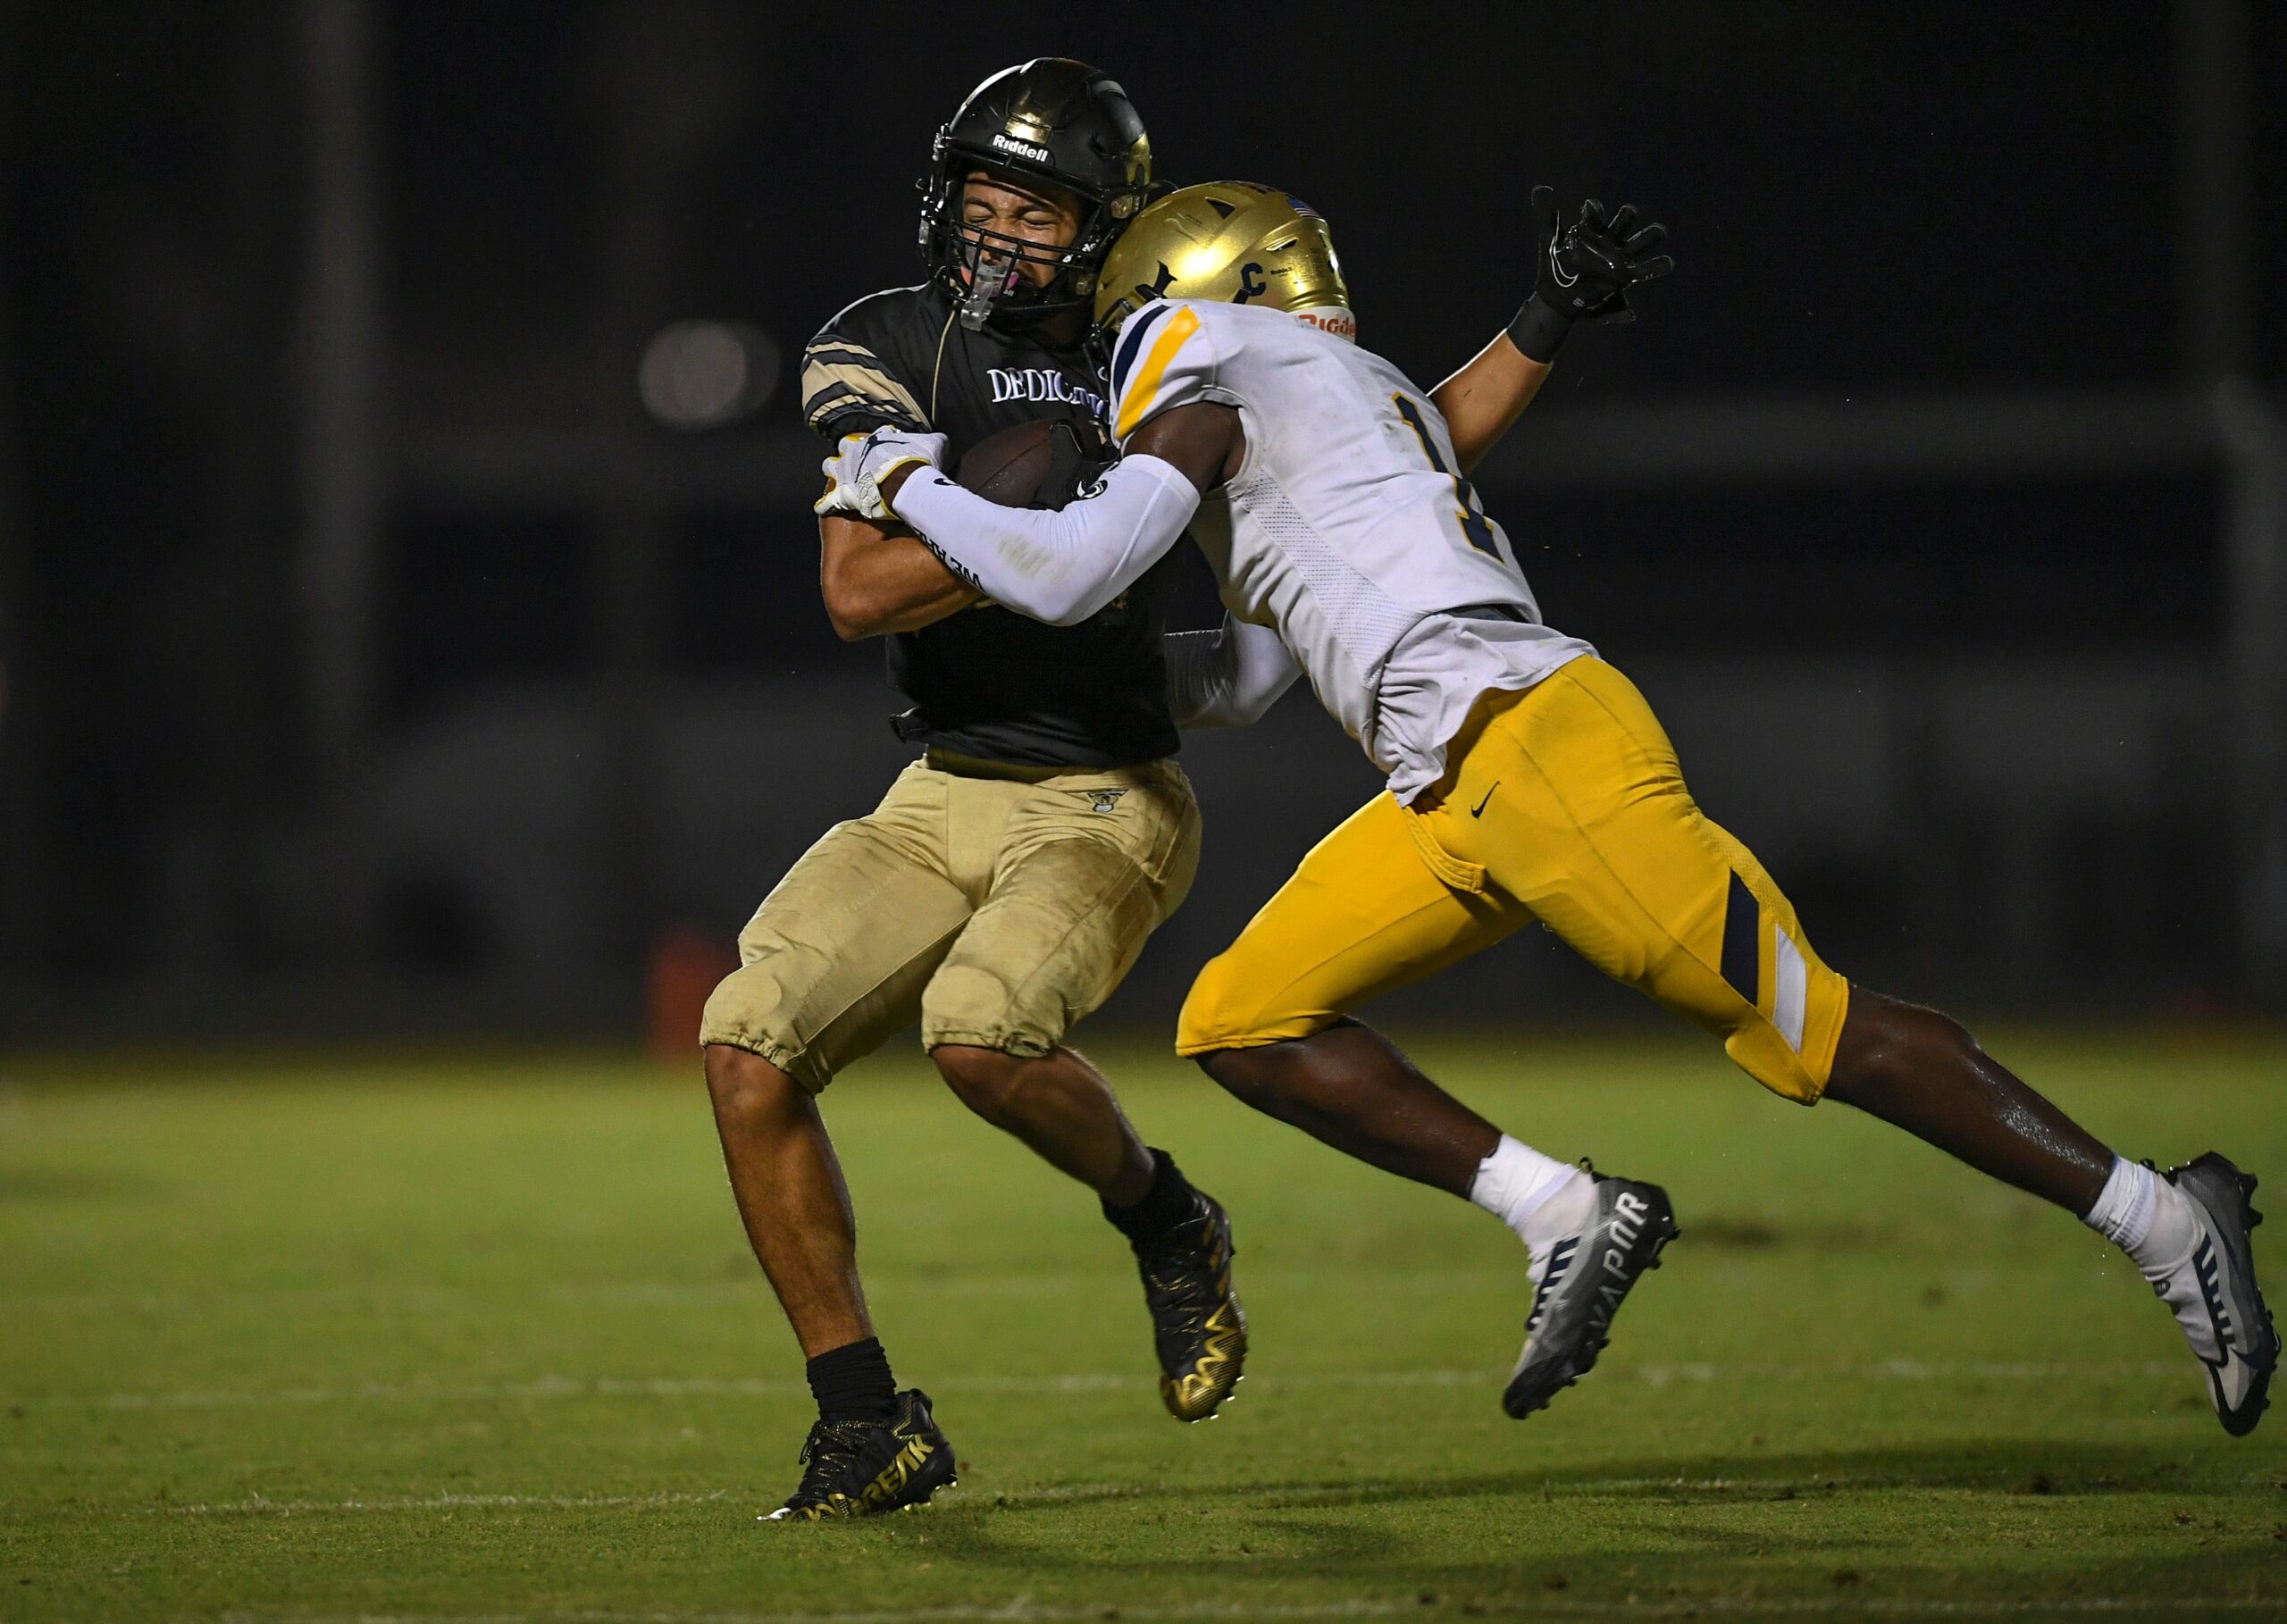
<point x="1198" y="1328"/>
<point x="2215" y="1296"/>
<point x="865" y="1467"/>
<point x="1587" y="1275"/>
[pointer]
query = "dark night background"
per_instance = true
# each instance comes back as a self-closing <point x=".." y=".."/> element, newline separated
<point x="375" y="662"/>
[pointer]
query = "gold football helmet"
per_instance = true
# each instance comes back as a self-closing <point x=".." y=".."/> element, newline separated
<point x="1228" y="240"/>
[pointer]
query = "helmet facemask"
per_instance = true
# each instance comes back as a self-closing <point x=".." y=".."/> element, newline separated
<point x="986" y="268"/>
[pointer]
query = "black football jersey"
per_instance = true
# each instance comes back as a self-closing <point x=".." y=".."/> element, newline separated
<point x="987" y="681"/>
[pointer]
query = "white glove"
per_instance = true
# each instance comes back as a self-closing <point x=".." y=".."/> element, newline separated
<point x="857" y="470"/>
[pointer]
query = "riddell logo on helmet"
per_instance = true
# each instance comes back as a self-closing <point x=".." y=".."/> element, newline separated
<point x="1023" y="149"/>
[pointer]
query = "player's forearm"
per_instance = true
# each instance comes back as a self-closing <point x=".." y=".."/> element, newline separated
<point x="1481" y="402"/>
<point x="1059" y="566"/>
<point x="877" y="581"/>
<point x="1227" y="677"/>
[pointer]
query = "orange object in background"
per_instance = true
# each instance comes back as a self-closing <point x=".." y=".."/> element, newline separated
<point x="686" y="962"/>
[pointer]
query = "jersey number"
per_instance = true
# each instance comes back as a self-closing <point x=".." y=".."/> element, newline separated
<point x="1474" y="524"/>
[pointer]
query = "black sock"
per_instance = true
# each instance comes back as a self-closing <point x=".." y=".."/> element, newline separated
<point x="1167" y="1203"/>
<point x="854" y="1382"/>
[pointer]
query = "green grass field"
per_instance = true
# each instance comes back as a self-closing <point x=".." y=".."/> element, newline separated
<point x="482" y="1341"/>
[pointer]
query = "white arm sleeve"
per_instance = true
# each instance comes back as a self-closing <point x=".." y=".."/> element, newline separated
<point x="1060" y="567"/>
<point x="1227" y="677"/>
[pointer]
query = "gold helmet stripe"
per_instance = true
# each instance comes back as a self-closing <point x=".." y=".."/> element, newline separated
<point x="1185" y="324"/>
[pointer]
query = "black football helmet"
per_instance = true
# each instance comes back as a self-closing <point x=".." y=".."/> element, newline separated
<point x="1055" y="122"/>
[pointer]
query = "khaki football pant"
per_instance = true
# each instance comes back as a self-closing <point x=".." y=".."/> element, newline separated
<point x="998" y="904"/>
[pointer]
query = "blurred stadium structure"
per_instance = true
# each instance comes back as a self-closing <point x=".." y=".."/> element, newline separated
<point x="407" y="614"/>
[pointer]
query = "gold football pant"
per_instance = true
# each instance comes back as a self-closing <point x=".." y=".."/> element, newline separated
<point x="999" y="905"/>
<point x="1562" y="803"/>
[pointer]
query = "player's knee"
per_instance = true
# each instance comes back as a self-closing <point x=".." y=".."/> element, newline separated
<point x="749" y="1013"/>
<point x="1887" y="1043"/>
<point x="1249" y="1075"/>
<point x="747" y="1089"/>
<point x="1208" y="1023"/>
<point x="726" y="1007"/>
<point x="985" y="1080"/>
<point x="970" y="1006"/>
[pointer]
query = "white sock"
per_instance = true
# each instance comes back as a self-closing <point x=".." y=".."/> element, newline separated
<point x="1541" y="1198"/>
<point x="2145" y="1216"/>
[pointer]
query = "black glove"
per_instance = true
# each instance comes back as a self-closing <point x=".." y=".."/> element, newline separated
<point x="1586" y="271"/>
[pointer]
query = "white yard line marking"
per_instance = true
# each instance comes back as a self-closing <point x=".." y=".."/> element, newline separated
<point x="610" y="1294"/>
<point x="1025" y="1611"/>
<point x="255" y="1505"/>
<point x="563" y="1387"/>
<point x="1019" y="1611"/>
<point x="1063" y="1494"/>
<point x="1803" y="1484"/>
<point x="1060" y="1493"/>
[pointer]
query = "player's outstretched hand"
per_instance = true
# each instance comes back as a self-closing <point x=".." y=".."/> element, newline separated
<point x="855" y="473"/>
<point x="1584" y="271"/>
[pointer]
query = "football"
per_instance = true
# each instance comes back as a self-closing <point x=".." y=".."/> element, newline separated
<point x="1028" y="464"/>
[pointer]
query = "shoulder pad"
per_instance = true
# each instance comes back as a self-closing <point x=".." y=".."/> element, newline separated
<point x="1167" y="356"/>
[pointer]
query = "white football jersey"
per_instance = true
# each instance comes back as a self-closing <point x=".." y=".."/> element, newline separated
<point x="1348" y="527"/>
